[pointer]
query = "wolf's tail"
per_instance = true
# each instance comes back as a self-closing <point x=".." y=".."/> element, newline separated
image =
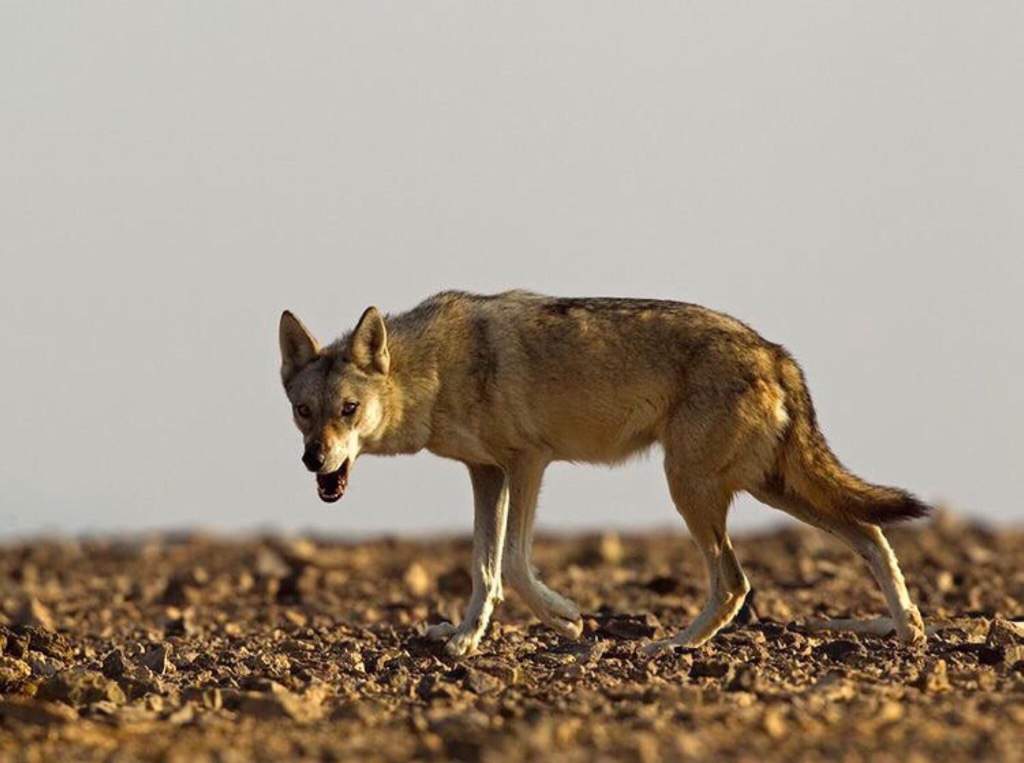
<point x="808" y="472"/>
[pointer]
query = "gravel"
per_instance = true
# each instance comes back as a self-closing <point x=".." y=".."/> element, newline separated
<point x="195" y="648"/>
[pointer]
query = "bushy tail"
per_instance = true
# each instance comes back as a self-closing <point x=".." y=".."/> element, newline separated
<point x="808" y="471"/>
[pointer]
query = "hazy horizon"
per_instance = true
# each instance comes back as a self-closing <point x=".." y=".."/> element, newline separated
<point x="847" y="178"/>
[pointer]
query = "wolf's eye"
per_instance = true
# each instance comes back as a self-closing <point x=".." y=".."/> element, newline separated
<point x="349" y="408"/>
<point x="302" y="411"/>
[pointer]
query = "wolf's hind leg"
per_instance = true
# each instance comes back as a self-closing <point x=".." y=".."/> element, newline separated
<point x="705" y="514"/>
<point x="553" y="610"/>
<point x="868" y="542"/>
<point x="490" y="498"/>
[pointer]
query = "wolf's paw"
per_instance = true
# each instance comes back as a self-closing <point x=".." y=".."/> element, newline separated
<point x="667" y="645"/>
<point x="560" y="614"/>
<point x="458" y="641"/>
<point x="462" y="643"/>
<point x="662" y="646"/>
<point x="439" y="631"/>
<point x="913" y="630"/>
<point x="656" y="648"/>
<point x="571" y="629"/>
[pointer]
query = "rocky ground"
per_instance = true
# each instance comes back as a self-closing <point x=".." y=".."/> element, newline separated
<point x="193" y="648"/>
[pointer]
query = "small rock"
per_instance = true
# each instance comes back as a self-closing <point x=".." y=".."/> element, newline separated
<point x="834" y="687"/>
<point x="507" y="674"/>
<point x="1014" y="656"/>
<point x="178" y="623"/>
<point x="12" y="672"/>
<point x="296" y="618"/>
<point x="26" y="710"/>
<point x="417" y="580"/>
<point x="103" y="707"/>
<point x="180" y="592"/>
<point x="434" y="686"/>
<point x="33" y="612"/>
<point x="839" y="650"/>
<point x="139" y="681"/>
<point x="630" y="627"/>
<point x="934" y="678"/>
<point x="212" y="699"/>
<point x="157" y="659"/>
<point x="44" y="666"/>
<point x="80" y="687"/>
<point x="17" y="645"/>
<point x="44" y="641"/>
<point x="130" y="714"/>
<point x="609" y="548"/>
<point x="589" y="652"/>
<point x="774" y="723"/>
<point x="455" y="582"/>
<point x="269" y="564"/>
<point x="281" y="704"/>
<point x="115" y="664"/>
<point x="710" y="669"/>
<point x="945" y="582"/>
<point x="746" y="678"/>
<point x="479" y="682"/>
<point x="300" y="584"/>
<point x="573" y="672"/>
<point x="182" y="715"/>
<point x="1005" y="633"/>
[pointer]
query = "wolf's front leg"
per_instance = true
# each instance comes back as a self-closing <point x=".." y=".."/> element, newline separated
<point x="490" y="498"/>
<point x="552" y="609"/>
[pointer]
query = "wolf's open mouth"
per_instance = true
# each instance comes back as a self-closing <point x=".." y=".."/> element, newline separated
<point x="331" y="486"/>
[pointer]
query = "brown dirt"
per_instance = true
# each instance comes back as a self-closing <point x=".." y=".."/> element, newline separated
<point x="193" y="648"/>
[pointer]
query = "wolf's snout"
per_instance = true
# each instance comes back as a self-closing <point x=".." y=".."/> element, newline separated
<point x="314" y="457"/>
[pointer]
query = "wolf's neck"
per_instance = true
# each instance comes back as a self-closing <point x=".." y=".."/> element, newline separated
<point x="412" y="392"/>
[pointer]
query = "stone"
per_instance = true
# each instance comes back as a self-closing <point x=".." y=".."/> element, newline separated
<point x="480" y="682"/>
<point x="746" y="678"/>
<point x="630" y="627"/>
<point x="416" y="580"/>
<point x="157" y="659"/>
<point x="839" y="650"/>
<point x="1004" y="633"/>
<point x="711" y="669"/>
<point x="115" y="664"/>
<point x="81" y="687"/>
<point x="280" y="704"/>
<point x="455" y="582"/>
<point x="934" y="678"/>
<point x="33" y="612"/>
<point x="34" y="711"/>
<point x="12" y="672"/>
<point x="609" y="548"/>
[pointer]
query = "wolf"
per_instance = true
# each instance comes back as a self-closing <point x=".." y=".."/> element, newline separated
<point x="508" y="383"/>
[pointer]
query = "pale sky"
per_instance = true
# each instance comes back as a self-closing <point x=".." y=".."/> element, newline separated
<point x="848" y="177"/>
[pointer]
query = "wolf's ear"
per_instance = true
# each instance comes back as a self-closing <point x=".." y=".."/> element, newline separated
<point x="298" y="347"/>
<point x="369" y="343"/>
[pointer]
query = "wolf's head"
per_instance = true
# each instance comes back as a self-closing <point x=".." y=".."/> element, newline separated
<point x="337" y="395"/>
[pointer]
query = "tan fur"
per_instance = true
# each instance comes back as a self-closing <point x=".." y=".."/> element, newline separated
<point x="511" y="382"/>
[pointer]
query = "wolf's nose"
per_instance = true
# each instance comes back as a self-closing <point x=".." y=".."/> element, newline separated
<point x="313" y="458"/>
